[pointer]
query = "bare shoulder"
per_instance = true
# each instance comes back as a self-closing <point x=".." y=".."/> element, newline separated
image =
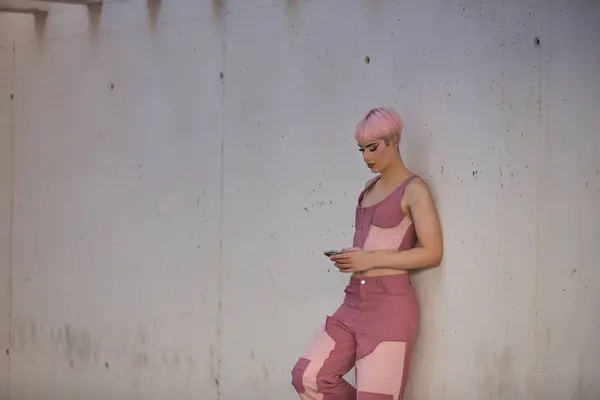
<point x="418" y="191"/>
<point x="417" y="185"/>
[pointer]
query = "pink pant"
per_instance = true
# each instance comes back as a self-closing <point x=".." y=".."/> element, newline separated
<point x="374" y="330"/>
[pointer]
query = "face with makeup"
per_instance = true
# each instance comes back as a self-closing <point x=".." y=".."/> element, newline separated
<point x="379" y="153"/>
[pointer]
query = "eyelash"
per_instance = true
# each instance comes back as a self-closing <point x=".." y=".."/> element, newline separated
<point x="371" y="149"/>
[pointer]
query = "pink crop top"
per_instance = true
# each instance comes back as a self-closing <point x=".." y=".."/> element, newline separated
<point x="383" y="226"/>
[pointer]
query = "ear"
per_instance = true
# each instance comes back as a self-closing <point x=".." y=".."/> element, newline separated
<point x="394" y="142"/>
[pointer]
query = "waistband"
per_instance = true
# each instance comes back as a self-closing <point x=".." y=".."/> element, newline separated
<point x="384" y="284"/>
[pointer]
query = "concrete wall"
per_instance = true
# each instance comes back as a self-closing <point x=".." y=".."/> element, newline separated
<point x="178" y="171"/>
<point x="6" y="191"/>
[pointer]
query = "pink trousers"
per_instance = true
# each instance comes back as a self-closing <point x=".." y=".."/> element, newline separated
<point x="373" y="330"/>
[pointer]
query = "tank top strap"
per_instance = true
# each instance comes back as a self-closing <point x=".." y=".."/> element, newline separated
<point x="367" y="188"/>
<point x="403" y="185"/>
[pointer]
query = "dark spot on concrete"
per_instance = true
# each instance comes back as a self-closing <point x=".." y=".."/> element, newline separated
<point x="7" y="352"/>
<point x="106" y="365"/>
<point x="12" y="96"/>
<point x="367" y="60"/>
<point x="112" y="86"/>
<point x="536" y="42"/>
<point x="217" y="384"/>
<point x="222" y="75"/>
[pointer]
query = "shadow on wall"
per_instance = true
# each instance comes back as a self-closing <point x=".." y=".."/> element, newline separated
<point x="426" y="281"/>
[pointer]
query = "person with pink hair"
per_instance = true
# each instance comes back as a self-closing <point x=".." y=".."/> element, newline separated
<point x="397" y="230"/>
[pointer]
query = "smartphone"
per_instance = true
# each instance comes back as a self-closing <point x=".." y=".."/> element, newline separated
<point x="330" y="253"/>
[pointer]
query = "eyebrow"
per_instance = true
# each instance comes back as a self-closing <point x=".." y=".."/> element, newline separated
<point x="367" y="145"/>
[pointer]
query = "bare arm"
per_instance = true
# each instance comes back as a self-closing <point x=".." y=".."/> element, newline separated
<point x="429" y="233"/>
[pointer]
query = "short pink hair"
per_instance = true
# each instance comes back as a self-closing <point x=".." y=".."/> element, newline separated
<point x="379" y="123"/>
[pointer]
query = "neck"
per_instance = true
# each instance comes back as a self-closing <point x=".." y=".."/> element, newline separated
<point x="394" y="172"/>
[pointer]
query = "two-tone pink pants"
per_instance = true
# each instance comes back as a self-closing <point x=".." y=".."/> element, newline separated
<point x="373" y="330"/>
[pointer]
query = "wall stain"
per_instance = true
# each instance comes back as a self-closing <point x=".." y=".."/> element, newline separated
<point x="218" y="7"/>
<point x="213" y="366"/>
<point x="153" y="12"/>
<point x="139" y="361"/>
<point x="94" y="11"/>
<point x="142" y="336"/>
<point x="499" y="379"/>
<point x="40" y="26"/>
<point x="291" y="8"/>
<point x="76" y="345"/>
<point x="265" y="371"/>
<point x="175" y="360"/>
<point x="32" y="331"/>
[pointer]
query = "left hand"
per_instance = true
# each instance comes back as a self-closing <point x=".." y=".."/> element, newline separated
<point x="352" y="260"/>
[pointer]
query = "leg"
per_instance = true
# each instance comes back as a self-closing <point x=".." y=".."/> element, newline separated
<point x="318" y="374"/>
<point x="381" y="375"/>
<point x="385" y="338"/>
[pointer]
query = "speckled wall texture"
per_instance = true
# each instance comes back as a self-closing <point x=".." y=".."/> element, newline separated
<point x="171" y="172"/>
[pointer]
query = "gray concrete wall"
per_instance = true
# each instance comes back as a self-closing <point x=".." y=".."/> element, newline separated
<point x="6" y="192"/>
<point x="178" y="171"/>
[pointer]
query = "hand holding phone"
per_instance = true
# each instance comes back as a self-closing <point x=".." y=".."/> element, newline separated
<point x="330" y="253"/>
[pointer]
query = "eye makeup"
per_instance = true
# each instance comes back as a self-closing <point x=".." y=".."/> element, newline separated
<point x="371" y="147"/>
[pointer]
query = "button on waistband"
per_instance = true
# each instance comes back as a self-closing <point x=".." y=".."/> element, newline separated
<point x="363" y="282"/>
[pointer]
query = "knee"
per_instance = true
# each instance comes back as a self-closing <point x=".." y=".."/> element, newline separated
<point x="327" y="383"/>
<point x="298" y="374"/>
<point x="301" y="379"/>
